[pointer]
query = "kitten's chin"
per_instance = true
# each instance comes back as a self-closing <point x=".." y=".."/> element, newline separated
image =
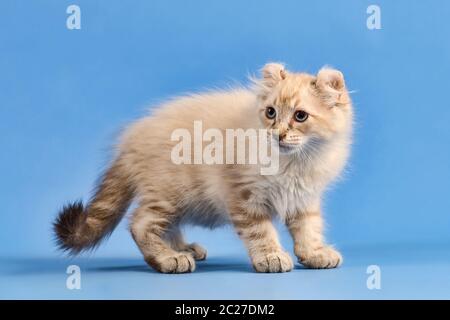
<point x="287" y="149"/>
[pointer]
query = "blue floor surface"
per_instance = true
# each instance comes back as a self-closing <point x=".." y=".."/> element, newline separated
<point x="407" y="272"/>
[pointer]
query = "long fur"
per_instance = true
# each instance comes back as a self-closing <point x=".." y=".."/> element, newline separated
<point x="170" y="195"/>
<point x="78" y="228"/>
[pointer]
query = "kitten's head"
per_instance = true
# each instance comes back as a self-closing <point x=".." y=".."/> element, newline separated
<point x="305" y="109"/>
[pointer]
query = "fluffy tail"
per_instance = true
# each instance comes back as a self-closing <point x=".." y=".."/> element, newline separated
<point x="80" y="227"/>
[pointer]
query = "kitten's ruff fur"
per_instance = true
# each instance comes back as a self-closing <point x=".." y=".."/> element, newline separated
<point x="170" y="195"/>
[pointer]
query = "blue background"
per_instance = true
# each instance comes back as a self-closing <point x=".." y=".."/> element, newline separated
<point x="66" y="94"/>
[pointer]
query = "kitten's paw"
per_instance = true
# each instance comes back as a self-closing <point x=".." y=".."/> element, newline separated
<point x="177" y="263"/>
<point x="322" y="258"/>
<point x="273" y="262"/>
<point x="197" y="251"/>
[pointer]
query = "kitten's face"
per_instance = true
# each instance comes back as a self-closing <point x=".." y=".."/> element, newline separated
<point x="306" y="110"/>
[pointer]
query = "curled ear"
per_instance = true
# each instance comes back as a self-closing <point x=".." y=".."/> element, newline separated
<point x="272" y="73"/>
<point x="330" y="85"/>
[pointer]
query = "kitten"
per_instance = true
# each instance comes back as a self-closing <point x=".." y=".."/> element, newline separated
<point x="313" y="115"/>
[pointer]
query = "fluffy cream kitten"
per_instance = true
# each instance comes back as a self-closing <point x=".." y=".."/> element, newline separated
<point x="313" y="115"/>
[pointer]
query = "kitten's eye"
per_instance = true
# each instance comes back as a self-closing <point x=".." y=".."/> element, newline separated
<point x="301" y="116"/>
<point x="271" y="113"/>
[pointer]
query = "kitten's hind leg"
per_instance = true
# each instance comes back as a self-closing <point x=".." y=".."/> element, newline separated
<point x="178" y="243"/>
<point x="149" y="224"/>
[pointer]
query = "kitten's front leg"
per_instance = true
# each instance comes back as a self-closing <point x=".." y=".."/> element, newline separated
<point x="261" y="240"/>
<point x="309" y="246"/>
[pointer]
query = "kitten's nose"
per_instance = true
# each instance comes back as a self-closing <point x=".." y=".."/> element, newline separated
<point x="282" y="135"/>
